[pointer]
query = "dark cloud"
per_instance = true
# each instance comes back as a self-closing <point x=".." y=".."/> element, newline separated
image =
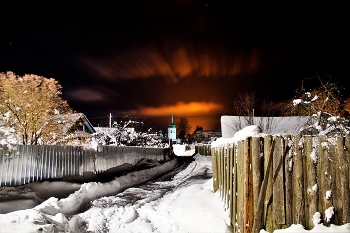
<point x="87" y="94"/>
<point x="173" y="64"/>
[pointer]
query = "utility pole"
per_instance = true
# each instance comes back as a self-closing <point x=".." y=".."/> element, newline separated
<point x="110" y="120"/>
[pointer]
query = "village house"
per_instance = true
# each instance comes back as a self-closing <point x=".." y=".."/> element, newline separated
<point x="205" y="136"/>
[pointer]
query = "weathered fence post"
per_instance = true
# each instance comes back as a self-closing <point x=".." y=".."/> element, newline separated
<point x="298" y="182"/>
<point x="278" y="203"/>
<point x="257" y="171"/>
<point x="322" y="170"/>
<point x="332" y="179"/>
<point x="310" y="175"/>
<point x="343" y="177"/>
<point x="214" y="160"/>
<point x="260" y="215"/>
<point x="240" y="187"/>
<point x="231" y="183"/>
<point x="234" y="217"/>
<point x="288" y="174"/>
<point x="268" y="149"/>
<point x="249" y="201"/>
<point x="346" y="167"/>
<point x="228" y="175"/>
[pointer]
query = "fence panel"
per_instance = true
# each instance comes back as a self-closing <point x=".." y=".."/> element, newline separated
<point x="21" y="164"/>
<point x="276" y="181"/>
<point x="203" y="149"/>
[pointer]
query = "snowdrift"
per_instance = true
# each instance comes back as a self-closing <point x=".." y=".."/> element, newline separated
<point x="90" y="191"/>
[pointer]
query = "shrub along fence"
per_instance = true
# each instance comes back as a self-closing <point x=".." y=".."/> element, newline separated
<point x="21" y="164"/>
<point x="272" y="182"/>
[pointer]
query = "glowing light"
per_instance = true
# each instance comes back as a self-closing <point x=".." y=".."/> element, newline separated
<point x="205" y="114"/>
<point x="182" y="108"/>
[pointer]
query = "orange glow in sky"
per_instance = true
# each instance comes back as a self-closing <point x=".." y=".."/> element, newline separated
<point x="197" y="113"/>
<point x="180" y="79"/>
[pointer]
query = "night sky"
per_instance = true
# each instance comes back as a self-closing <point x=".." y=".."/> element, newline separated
<point x="191" y="58"/>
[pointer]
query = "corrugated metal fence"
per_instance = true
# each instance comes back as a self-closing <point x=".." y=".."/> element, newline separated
<point x="272" y="182"/>
<point x="21" y="164"/>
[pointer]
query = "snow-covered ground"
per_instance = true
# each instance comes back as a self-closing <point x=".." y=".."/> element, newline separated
<point x="184" y="203"/>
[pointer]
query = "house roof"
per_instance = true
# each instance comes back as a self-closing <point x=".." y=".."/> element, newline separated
<point x="69" y="120"/>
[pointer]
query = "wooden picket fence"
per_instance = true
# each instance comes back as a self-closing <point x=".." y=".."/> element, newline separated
<point x="21" y="164"/>
<point x="203" y="149"/>
<point x="272" y="182"/>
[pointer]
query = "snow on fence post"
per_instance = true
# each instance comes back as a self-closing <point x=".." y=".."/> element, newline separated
<point x="322" y="171"/>
<point x="310" y="181"/>
<point x="332" y="175"/>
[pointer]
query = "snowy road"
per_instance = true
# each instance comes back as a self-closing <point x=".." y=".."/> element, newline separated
<point x="179" y="201"/>
<point x="168" y="204"/>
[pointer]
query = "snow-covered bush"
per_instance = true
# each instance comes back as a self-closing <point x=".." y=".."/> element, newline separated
<point x="128" y="134"/>
<point x="322" y="102"/>
<point x="324" y="123"/>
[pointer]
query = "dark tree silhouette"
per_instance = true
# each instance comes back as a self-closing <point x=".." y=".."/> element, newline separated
<point x="183" y="128"/>
<point x="198" y="128"/>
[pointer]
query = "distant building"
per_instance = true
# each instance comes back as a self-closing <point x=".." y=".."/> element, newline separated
<point x="207" y="135"/>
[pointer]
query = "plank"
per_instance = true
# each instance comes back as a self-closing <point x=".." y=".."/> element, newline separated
<point x="278" y="204"/>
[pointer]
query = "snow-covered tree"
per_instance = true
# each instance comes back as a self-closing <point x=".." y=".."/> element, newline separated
<point x="27" y="106"/>
<point x="323" y="104"/>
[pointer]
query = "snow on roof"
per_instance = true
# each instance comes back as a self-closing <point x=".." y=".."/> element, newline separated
<point x="69" y="120"/>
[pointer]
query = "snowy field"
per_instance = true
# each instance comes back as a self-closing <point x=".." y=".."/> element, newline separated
<point x="182" y="203"/>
